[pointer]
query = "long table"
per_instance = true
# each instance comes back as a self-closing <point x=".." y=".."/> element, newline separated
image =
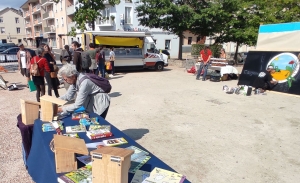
<point x="41" y="160"/>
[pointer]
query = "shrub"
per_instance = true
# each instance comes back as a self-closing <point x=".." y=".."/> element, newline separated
<point x="215" y="49"/>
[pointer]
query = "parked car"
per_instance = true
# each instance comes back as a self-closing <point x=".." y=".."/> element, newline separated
<point x="13" y="51"/>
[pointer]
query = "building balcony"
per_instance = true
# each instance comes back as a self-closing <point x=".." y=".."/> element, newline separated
<point x="48" y="15"/>
<point x="70" y="10"/>
<point x="26" y="14"/>
<point x="28" y="25"/>
<point x="37" y="21"/>
<point x="104" y="23"/>
<point x="36" y="9"/>
<point x="50" y="29"/>
<point x="70" y="25"/>
<point x="28" y="35"/>
<point x="46" y="2"/>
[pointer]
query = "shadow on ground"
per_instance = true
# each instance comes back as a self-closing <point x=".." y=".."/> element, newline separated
<point x="115" y="94"/>
<point x="136" y="134"/>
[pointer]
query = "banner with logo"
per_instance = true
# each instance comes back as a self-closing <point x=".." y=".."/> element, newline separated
<point x="286" y="65"/>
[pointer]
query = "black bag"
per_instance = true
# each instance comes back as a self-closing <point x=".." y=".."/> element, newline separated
<point x="215" y="77"/>
<point x="99" y="81"/>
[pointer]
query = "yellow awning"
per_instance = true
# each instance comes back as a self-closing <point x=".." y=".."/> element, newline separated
<point x="119" y="41"/>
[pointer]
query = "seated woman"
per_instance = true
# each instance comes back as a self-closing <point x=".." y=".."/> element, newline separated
<point x="264" y="80"/>
<point x="89" y="95"/>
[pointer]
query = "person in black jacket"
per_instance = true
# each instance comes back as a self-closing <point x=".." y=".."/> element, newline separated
<point x="53" y="82"/>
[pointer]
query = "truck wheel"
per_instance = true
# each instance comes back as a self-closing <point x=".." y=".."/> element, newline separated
<point x="159" y="66"/>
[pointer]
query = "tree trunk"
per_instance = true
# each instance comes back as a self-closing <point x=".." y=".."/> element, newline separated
<point x="180" y="46"/>
<point x="236" y="52"/>
<point x="93" y="25"/>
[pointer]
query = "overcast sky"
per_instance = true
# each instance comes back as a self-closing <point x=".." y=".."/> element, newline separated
<point x="11" y="3"/>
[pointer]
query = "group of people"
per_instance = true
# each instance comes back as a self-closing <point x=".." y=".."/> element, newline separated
<point x="88" y="94"/>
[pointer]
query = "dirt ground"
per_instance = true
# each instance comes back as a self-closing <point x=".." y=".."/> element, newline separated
<point x="191" y="125"/>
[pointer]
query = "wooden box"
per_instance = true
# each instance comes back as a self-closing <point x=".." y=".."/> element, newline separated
<point x="111" y="165"/>
<point x="29" y="111"/>
<point x="49" y="107"/>
<point x="65" y="149"/>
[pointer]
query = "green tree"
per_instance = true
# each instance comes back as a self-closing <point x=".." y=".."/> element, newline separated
<point x="88" y="12"/>
<point x="173" y="16"/>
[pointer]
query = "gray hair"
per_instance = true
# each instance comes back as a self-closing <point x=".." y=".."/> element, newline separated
<point x="68" y="70"/>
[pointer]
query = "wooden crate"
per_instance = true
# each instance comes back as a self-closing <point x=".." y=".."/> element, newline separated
<point x="65" y="149"/>
<point x="49" y="107"/>
<point x="29" y="111"/>
<point x="111" y="165"/>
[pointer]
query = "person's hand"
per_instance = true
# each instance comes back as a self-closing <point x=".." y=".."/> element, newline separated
<point x="59" y="110"/>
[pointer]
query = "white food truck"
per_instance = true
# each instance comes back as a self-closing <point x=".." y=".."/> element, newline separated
<point x="132" y="49"/>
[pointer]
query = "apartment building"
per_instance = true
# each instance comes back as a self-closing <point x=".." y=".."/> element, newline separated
<point x="11" y="26"/>
<point x="33" y="23"/>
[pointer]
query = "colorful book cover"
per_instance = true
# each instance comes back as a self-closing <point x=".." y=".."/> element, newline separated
<point x="138" y="159"/>
<point x="75" y="129"/>
<point x="159" y="175"/>
<point x="75" y="135"/>
<point x="78" y="116"/>
<point x="137" y="152"/>
<point x="89" y="121"/>
<point x="48" y="127"/>
<point x="115" y="142"/>
<point x="140" y="176"/>
<point x="97" y="134"/>
<point x="97" y="127"/>
<point x="81" y="175"/>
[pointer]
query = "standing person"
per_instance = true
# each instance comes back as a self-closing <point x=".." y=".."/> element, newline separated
<point x="89" y="95"/>
<point x="77" y="56"/>
<point x="39" y="81"/>
<point x="223" y="53"/>
<point x="205" y="56"/>
<point x="23" y="61"/>
<point x="51" y="77"/>
<point x="264" y="80"/>
<point x="112" y="60"/>
<point x="92" y="52"/>
<point x="101" y="61"/>
<point x="65" y="56"/>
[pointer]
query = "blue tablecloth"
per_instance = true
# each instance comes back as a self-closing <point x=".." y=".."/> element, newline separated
<point x="41" y="160"/>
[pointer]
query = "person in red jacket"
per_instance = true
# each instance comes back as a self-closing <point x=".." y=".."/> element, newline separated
<point x="205" y="56"/>
<point x="39" y="81"/>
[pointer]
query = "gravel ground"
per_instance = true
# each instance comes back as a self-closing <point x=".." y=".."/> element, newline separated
<point x="191" y="125"/>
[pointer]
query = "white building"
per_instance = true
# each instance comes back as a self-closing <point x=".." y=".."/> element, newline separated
<point x="123" y="17"/>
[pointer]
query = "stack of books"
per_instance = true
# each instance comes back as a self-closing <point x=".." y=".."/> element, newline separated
<point x="98" y="131"/>
<point x="81" y="175"/>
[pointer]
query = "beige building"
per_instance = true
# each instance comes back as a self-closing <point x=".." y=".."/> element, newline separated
<point x="33" y="23"/>
<point x="11" y="26"/>
<point x="190" y="38"/>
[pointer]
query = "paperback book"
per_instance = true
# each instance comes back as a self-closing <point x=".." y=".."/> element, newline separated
<point x="140" y="176"/>
<point x="159" y="175"/>
<point x="48" y="127"/>
<point x="99" y="127"/>
<point x="97" y="134"/>
<point x="78" y="116"/>
<point x="75" y="129"/>
<point x="138" y="159"/>
<point x="115" y="142"/>
<point x="81" y="175"/>
<point x="87" y="160"/>
<point x="89" y="121"/>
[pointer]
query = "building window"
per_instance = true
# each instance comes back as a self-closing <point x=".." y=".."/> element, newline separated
<point x="167" y="44"/>
<point x="62" y="21"/>
<point x="19" y="40"/>
<point x="2" y="30"/>
<point x="18" y="30"/>
<point x="198" y="39"/>
<point x="128" y="19"/>
<point x="17" y="20"/>
<point x="61" y="5"/>
<point x="57" y="23"/>
<point x="72" y="39"/>
<point x="64" y="41"/>
<point x="78" y="40"/>
<point x="190" y="40"/>
<point x="105" y="16"/>
<point x="1" y="19"/>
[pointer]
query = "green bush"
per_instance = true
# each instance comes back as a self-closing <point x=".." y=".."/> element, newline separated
<point x="196" y="48"/>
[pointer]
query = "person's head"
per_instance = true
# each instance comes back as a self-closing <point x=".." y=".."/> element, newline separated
<point x="46" y="48"/>
<point x="39" y="52"/>
<point x="270" y="69"/>
<point x="21" y="46"/>
<point x="222" y="50"/>
<point x="66" y="47"/>
<point x="42" y="45"/>
<point x="69" y="73"/>
<point x="112" y="48"/>
<point x="75" y="45"/>
<point x="92" y="45"/>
